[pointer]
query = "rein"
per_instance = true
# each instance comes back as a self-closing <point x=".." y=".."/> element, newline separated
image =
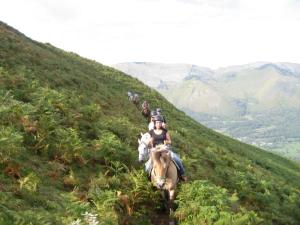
<point x="147" y="146"/>
<point x="163" y="177"/>
<point x="146" y="153"/>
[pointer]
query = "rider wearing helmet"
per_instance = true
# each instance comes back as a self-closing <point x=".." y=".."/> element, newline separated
<point x="153" y="113"/>
<point x="161" y="136"/>
<point x="146" y="110"/>
<point x="159" y="112"/>
<point x="151" y="124"/>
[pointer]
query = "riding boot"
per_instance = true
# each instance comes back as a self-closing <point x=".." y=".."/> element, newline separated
<point x="178" y="161"/>
<point x="184" y="178"/>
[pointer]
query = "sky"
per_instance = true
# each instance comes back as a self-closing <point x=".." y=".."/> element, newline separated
<point x="211" y="33"/>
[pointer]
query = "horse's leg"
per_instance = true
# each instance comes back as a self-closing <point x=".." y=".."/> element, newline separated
<point x="165" y="200"/>
<point x="172" y="195"/>
<point x="171" y="200"/>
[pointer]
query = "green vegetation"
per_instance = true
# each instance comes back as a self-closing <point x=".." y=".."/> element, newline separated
<point x="291" y="151"/>
<point x="68" y="147"/>
<point x="274" y="130"/>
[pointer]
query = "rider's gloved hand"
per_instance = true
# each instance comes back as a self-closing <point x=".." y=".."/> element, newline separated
<point x="168" y="146"/>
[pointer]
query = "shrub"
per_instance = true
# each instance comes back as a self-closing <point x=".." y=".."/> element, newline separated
<point x="11" y="143"/>
<point x="67" y="143"/>
<point x="201" y="202"/>
<point x="105" y="200"/>
<point x="30" y="182"/>
<point x="123" y="128"/>
<point x="111" y="148"/>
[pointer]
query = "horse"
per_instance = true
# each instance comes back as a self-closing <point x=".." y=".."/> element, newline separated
<point x="143" y="147"/>
<point x="164" y="173"/>
<point x="146" y="110"/>
<point x="133" y="97"/>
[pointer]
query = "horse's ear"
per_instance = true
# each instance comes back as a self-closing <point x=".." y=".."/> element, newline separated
<point x="142" y="134"/>
<point x="139" y="141"/>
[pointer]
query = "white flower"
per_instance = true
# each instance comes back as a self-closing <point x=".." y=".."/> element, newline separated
<point x="90" y="218"/>
<point x="76" y="222"/>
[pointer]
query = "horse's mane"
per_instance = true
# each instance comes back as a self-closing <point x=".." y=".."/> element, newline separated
<point x="164" y="172"/>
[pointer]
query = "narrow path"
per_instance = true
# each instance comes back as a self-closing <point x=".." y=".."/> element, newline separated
<point x="162" y="219"/>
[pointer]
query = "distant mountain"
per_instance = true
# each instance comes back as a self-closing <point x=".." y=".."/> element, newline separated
<point x="153" y="73"/>
<point x="253" y="102"/>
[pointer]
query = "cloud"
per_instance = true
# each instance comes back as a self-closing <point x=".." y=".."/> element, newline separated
<point x="61" y="11"/>
<point x="205" y="32"/>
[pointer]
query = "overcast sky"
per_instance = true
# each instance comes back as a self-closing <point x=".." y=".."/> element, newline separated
<point x="212" y="33"/>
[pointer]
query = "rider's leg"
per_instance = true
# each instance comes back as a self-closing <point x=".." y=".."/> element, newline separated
<point x="178" y="161"/>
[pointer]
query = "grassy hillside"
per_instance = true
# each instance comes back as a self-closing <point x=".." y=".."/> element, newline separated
<point x="68" y="151"/>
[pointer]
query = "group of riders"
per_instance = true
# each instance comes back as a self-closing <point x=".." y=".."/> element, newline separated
<point x="160" y="137"/>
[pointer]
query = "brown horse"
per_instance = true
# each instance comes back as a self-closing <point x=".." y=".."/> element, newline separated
<point x="146" y="110"/>
<point x="164" y="173"/>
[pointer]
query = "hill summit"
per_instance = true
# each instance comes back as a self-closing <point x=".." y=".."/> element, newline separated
<point x="68" y="147"/>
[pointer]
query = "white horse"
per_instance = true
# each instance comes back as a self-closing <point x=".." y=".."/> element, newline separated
<point x="133" y="97"/>
<point x="143" y="148"/>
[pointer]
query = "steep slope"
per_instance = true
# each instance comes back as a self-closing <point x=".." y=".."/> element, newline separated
<point x="68" y="145"/>
<point x="199" y="96"/>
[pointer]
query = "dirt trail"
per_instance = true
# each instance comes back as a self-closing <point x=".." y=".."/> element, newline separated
<point x="162" y="218"/>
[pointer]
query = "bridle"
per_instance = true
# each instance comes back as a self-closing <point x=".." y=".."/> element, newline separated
<point x="145" y="153"/>
<point x="162" y="178"/>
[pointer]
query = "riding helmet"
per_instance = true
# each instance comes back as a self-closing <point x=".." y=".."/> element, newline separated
<point x="153" y="113"/>
<point x="158" y="118"/>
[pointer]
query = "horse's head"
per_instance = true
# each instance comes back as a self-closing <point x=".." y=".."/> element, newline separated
<point x="161" y="159"/>
<point x="143" y="147"/>
<point x="146" y="137"/>
<point x="164" y="173"/>
<point x="143" y="151"/>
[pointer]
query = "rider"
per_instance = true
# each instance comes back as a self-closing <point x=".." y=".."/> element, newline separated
<point x="151" y="124"/>
<point x="159" y="112"/>
<point x="145" y="105"/>
<point x="146" y="109"/>
<point x="161" y="136"/>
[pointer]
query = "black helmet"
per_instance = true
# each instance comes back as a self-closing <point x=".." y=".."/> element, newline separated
<point x="159" y="111"/>
<point x="153" y="113"/>
<point x="158" y="118"/>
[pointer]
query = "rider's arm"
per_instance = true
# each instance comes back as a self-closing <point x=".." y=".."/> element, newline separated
<point x="151" y="142"/>
<point x="168" y="139"/>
